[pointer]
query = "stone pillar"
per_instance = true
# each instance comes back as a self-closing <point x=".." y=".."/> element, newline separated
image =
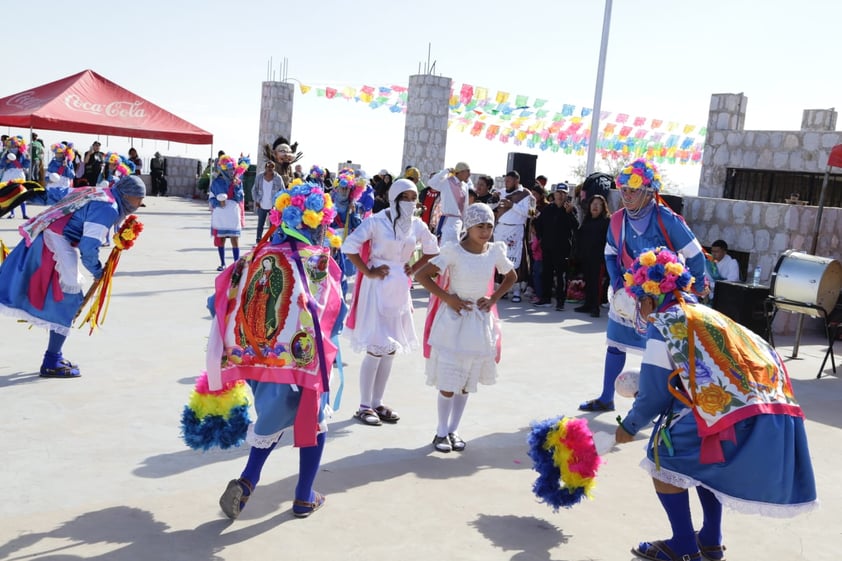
<point x="819" y="120"/>
<point x="275" y="116"/>
<point x="425" y="129"/>
<point x="727" y="113"/>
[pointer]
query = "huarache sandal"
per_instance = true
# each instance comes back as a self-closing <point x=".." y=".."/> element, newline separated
<point x="658" y="550"/>
<point x="64" y="369"/>
<point x="368" y="417"/>
<point x="303" y="509"/>
<point x="386" y="414"/>
<point x="236" y="495"/>
<point x="597" y="405"/>
<point x="711" y="552"/>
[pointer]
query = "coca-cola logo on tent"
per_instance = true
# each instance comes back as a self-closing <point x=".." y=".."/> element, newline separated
<point x="25" y="100"/>
<point x="117" y="109"/>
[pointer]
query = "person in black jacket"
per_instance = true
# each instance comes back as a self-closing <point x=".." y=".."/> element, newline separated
<point x="556" y="229"/>
<point x="590" y="252"/>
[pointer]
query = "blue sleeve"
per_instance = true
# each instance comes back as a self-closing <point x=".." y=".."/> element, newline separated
<point x="684" y="241"/>
<point x="653" y="397"/>
<point x="218" y="187"/>
<point x="88" y="227"/>
<point x="612" y="261"/>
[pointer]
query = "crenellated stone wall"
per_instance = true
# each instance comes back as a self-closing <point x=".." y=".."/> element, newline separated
<point x="728" y="145"/>
<point x="425" y="128"/>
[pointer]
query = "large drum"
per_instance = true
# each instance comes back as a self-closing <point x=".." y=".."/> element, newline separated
<point x="806" y="284"/>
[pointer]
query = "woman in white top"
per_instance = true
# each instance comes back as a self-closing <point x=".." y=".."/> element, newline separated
<point x="380" y="321"/>
<point x="462" y="339"/>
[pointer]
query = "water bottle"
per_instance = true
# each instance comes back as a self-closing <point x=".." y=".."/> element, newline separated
<point x="756" y="278"/>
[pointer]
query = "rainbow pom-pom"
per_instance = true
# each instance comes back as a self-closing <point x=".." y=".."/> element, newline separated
<point x="216" y="418"/>
<point x="563" y="453"/>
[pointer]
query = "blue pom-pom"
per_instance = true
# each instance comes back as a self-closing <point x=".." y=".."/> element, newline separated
<point x="215" y="430"/>
<point x="547" y="486"/>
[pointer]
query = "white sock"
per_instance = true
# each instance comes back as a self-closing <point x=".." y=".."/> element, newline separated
<point x="459" y="402"/>
<point x="368" y="373"/>
<point x="445" y="406"/>
<point x="383" y="371"/>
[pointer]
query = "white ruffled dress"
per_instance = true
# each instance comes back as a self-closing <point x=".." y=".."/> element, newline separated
<point x="463" y="347"/>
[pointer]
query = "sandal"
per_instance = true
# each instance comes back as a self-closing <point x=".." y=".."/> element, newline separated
<point x="595" y="405"/>
<point x="658" y="550"/>
<point x="516" y="299"/>
<point x="310" y="507"/>
<point x="221" y="268"/>
<point x="64" y="369"/>
<point x="386" y="414"/>
<point x="456" y="442"/>
<point x="711" y="552"/>
<point x="234" y="499"/>
<point x="368" y="417"/>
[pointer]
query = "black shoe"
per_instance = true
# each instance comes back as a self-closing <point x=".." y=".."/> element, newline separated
<point x="595" y="313"/>
<point x="542" y="302"/>
<point x="559" y="307"/>
<point x="582" y="309"/>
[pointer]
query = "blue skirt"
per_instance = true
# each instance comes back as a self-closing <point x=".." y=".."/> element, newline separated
<point x="16" y="273"/>
<point x="276" y="406"/>
<point x="768" y="471"/>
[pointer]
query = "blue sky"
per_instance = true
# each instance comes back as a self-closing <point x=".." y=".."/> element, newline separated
<point x="205" y="62"/>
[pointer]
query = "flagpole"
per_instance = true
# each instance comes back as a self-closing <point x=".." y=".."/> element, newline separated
<point x="597" y="97"/>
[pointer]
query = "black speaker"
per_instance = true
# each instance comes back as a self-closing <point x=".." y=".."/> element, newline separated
<point x="743" y="303"/>
<point x="524" y="164"/>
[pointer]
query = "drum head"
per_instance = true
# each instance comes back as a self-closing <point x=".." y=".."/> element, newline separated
<point x="801" y="278"/>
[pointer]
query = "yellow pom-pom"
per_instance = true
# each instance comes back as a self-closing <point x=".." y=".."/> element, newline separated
<point x="652" y="287"/>
<point x="674" y="268"/>
<point x="628" y="279"/>
<point x="312" y="218"/>
<point x="283" y="201"/>
<point x="635" y="181"/>
<point x="335" y="242"/>
<point x="648" y="259"/>
<point x="328" y="201"/>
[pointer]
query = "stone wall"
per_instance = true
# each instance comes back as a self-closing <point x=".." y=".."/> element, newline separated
<point x="728" y="145"/>
<point x="425" y="128"/>
<point x="765" y="231"/>
<point x="275" y="116"/>
<point x="181" y="176"/>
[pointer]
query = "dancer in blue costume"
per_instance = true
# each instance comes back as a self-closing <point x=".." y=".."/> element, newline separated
<point x="643" y="222"/>
<point x="728" y="421"/>
<point x="41" y="280"/>
<point x="226" y="197"/>
<point x="353" y="198"/>
<point x="277" y="310"/>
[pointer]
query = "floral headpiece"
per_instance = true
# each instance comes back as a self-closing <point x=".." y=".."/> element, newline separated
<point x="348" y="178"/>
<point x="17" y="142"/>
<point x="657" y="272"/>
<point x="305" y="210"/>
<point x="113" y="158"/>
<point x="226" y="163"/>
<point x="640" y="173"/>
<point x="317" y="172"/>
<point x="66" y="150"/>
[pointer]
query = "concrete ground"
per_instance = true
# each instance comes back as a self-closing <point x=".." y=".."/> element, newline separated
<point x="94" y="467"/>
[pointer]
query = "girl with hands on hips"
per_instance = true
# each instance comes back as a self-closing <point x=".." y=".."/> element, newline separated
<point x="462" y="339"/>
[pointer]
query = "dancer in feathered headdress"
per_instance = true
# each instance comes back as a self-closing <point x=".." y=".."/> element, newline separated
<point x="275" y="313"/>
<point x="227" y="199"/>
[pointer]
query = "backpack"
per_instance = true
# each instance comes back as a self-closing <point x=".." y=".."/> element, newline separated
<point x="598" y="183"/>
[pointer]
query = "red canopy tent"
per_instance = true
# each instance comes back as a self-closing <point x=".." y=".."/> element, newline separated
<point x="88" y="103"/>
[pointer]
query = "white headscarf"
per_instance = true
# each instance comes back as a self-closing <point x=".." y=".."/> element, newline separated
<point x="477" y="213"/>
<point x="405" y="220"/>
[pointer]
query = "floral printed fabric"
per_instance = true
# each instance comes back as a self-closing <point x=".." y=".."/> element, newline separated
<point x="736" y="373"/>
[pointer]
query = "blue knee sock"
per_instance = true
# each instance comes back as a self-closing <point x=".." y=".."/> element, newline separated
<point x="54" y="346"/>
<point x="254" y="465"/>
<point x="221" y="251"/>
<point x="236" y="252"/>
<point x="677" y="507"/>
<point x="309" y="460"/>
<point x="23" y="209"/>
<point x="711" y="532"/>
<point x="615" y="359"/>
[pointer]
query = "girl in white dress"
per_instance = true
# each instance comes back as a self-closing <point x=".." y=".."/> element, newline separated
<point x="462" y="339"/>
<point x="380" y="320"/>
